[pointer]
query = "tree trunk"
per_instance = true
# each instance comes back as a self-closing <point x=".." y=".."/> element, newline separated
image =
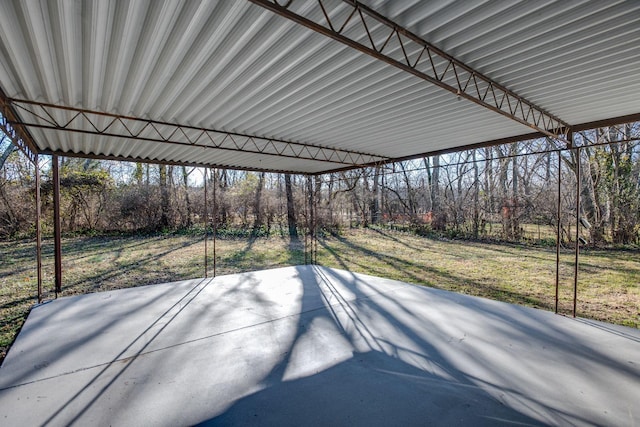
<point x="223" y="185"/>
<point x="317" y="197"/>
<point x="164" y="197"/>
<point x="410" y="195"/>
<point x="590" y="196"/>
<point x="375" y="201"/>
<point x="507" y="203"/>
<point x="428" y="195"/>
<point x="489" y="182"/>
<point x="476" y="197"/>
<point x="291" y="214"/>
<point x="311" y="214"/>
<point x="439" y="217"/>
<point x="185" y="181"/>
<point x="138" y="174"/>
<point x="330" y="201"/>
<point x="257" y="205"/>
<point x="514" y="218"/>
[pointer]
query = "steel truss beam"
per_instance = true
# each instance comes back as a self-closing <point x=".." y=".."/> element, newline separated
<point x="367" y="31"/>
<point x="161" y="162"/>
<point x="58" y="118"/>
<point x="576" y="129"/>
<point x="9" y="124"/>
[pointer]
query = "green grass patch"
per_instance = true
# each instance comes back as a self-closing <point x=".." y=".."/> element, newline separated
<point x="608" y="280"/>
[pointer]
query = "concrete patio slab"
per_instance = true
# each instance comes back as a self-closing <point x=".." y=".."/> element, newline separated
<point x="310" y="345"/>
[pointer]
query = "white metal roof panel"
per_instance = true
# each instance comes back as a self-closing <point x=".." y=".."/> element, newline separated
<point x="235" y="67"/>
<point x="546" y="51"/>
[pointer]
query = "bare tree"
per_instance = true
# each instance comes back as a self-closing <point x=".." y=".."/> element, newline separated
<point x="164" y="197"/>
<point x="185" y="182"/>
<point x="291" y="214"/>
<point x="438" y="214"/>
<point x="258" y="220"/>
<point x="476" y="196"/>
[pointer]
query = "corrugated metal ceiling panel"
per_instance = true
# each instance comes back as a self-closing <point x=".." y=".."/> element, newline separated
<point x="235" y="67"/>
<point x="554" y="53"/>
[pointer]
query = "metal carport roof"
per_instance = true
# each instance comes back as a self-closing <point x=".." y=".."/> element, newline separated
<point x="233" y="84"/>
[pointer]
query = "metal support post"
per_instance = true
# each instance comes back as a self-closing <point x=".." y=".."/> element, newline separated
<point x="575" y="271"/>
<point x="315" y="222"/>
<point x="383" y="194"/>
<point x="364" y="197"/>
<point x="206" y="223"/>
<point x="55" y="168"/>
<point x="215" y="219"/>
<point x="306" y="220"/>
<point x="558" y="233"/>
<point x="38" y="229"/>
<point x="312" y="219"/>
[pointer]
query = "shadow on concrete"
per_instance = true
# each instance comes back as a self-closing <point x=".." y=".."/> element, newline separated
<point x="332" y="347"/>
<point x="369" y="389"/>
<point x="374" y="386"/>
<point x="119" y="364"/>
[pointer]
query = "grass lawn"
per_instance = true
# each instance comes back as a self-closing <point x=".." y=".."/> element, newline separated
<point x="608" y="280"/>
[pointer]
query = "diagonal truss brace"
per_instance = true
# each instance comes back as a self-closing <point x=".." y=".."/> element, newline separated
<point x="58" y="118"/>
<point x="18" y="135"/>
<point x="364" y="29"/>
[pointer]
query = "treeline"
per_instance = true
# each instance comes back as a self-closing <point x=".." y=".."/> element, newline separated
<point x="507" y="192"/>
